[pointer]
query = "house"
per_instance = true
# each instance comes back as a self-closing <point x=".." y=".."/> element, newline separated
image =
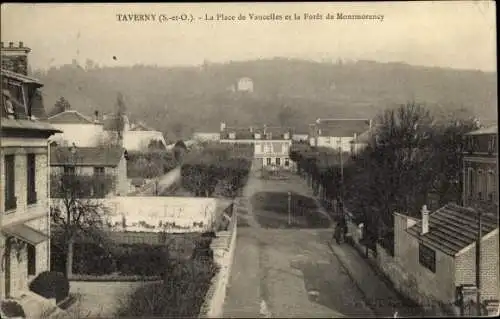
<point x="77" y="129"/>
<point x="273" y="148"/>
<point x="245" y="84"/>
<point x="480" y="170"/>
<point x="337" y="133"/>
<point x="439" y="252"/>
<point x="134" y="136"/>
<point x="24" y="205"/>
<point x="98" y="162"/>
<point x="271" y="144"/>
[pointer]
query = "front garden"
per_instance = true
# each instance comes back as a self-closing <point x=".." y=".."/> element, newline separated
<point x="178" y="275"/>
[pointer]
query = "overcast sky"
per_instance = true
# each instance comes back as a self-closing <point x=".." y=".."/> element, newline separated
<point x="448" y="34"/>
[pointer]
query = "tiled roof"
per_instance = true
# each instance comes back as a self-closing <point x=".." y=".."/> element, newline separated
<point x="245" y="133"/>
<point x="141" y="127"/>
<point x="86" y="156"/>
<point x="452" y="228"/>
<point x="70" y="117"/>
<point x="21" y="77"/>
<point x="485" y="130"/>
<point x="342" y="127"/>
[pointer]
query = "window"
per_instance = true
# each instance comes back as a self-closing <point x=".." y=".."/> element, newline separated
<point x="69" y="170"/>
<point x="31" y="259"/>
<point x="98" y="170"/>
<point x="31" y="178"/>
<point x="491" y="191"/>
<point x="268" y="161"/>
<point x="287" y="162"/>
<point x="491" y="145"/>
<point x="480" y="185"/>
<point x="427" y="257"/>
<point x="10" y="183"/>
<point x="278" y="161"/>
<point x="470" y="182"/>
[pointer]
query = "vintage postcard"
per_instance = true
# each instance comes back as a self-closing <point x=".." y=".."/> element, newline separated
<point x="245" y="160"/>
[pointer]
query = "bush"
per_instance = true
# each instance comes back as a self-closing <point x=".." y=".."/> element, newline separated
<point x="12" y="309"/>
<point x="181" y="294"/>
<point x="51" y="284"/>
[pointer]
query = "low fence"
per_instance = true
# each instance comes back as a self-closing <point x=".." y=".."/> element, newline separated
<point x="223" y="246"/>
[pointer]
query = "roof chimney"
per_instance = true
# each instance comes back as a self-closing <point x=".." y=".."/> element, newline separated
<point x="425" y="219"/>
<point x="96" y="116"/>
<point x="14" y="58"/>
<point x="222" y="126"/>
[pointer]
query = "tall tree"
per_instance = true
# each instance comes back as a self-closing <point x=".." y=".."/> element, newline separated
<point x="60" y="106"/>
<point x="74" y="213"/>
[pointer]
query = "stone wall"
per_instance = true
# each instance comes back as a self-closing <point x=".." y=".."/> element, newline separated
<point x="223" y="247"/>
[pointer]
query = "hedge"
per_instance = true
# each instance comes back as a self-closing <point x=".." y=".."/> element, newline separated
<point x="51" y="284"/>
<point x="181" y="294"/>
<point x="125" y="260"/>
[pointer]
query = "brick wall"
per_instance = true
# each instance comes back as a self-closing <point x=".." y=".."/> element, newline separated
<point x="466" y="267"/>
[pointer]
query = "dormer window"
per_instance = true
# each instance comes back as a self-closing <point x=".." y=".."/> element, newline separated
<point x="232" y="135"/>
<point x="7" y="103"/>
<point x="286" y="136"/>
<point x="257" y="136"/>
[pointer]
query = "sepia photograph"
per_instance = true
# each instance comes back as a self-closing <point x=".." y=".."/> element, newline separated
<point x="249" y="160"/>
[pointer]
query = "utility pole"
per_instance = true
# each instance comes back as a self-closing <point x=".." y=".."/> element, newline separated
<point x="478" y="264"/>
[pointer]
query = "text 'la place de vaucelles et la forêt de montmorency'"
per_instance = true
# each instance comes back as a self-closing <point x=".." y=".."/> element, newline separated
<point x="163" y="17"/>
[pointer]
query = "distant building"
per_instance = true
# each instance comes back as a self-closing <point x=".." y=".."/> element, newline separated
<point x="92" y="161"/>
<point x="271" y="144"/>
<point x="134" y="136"/>
<point x="24" y="205"/>
<point x="480" y="165"/>
<point x="76" y="128"/>
<point x="245" y="85"/>
<point x="337" y="133"/>
<point x="206" y="136"/>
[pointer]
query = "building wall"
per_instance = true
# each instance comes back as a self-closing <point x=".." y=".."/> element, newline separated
<point x="83" y="135"/>
<point x="121" y="185"/>
<point x="439" y="285"/>
<point x="35" y="215"/>
<point x="333" y="142"/>
<point x="466" y="267"/>
<point x="273" y="149"/>
<point x="206" y="136"/>
<point x="120" y="172"/>
<point x="139" y="140"/>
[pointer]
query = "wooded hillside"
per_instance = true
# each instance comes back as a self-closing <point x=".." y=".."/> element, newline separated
<point x="180" y="100"/>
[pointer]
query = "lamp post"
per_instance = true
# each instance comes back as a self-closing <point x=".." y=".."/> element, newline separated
<point x="289" y="208"/>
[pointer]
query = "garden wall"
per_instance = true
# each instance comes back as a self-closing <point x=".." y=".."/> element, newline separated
<point x="223" y="247"/>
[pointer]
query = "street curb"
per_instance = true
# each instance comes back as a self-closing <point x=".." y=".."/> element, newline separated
<point x="349" y="274"/>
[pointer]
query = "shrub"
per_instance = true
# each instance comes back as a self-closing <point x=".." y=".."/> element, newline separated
<point x="12" y="309"/>
<point x="181" y="294"/>
<point x="51" y="284"/>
